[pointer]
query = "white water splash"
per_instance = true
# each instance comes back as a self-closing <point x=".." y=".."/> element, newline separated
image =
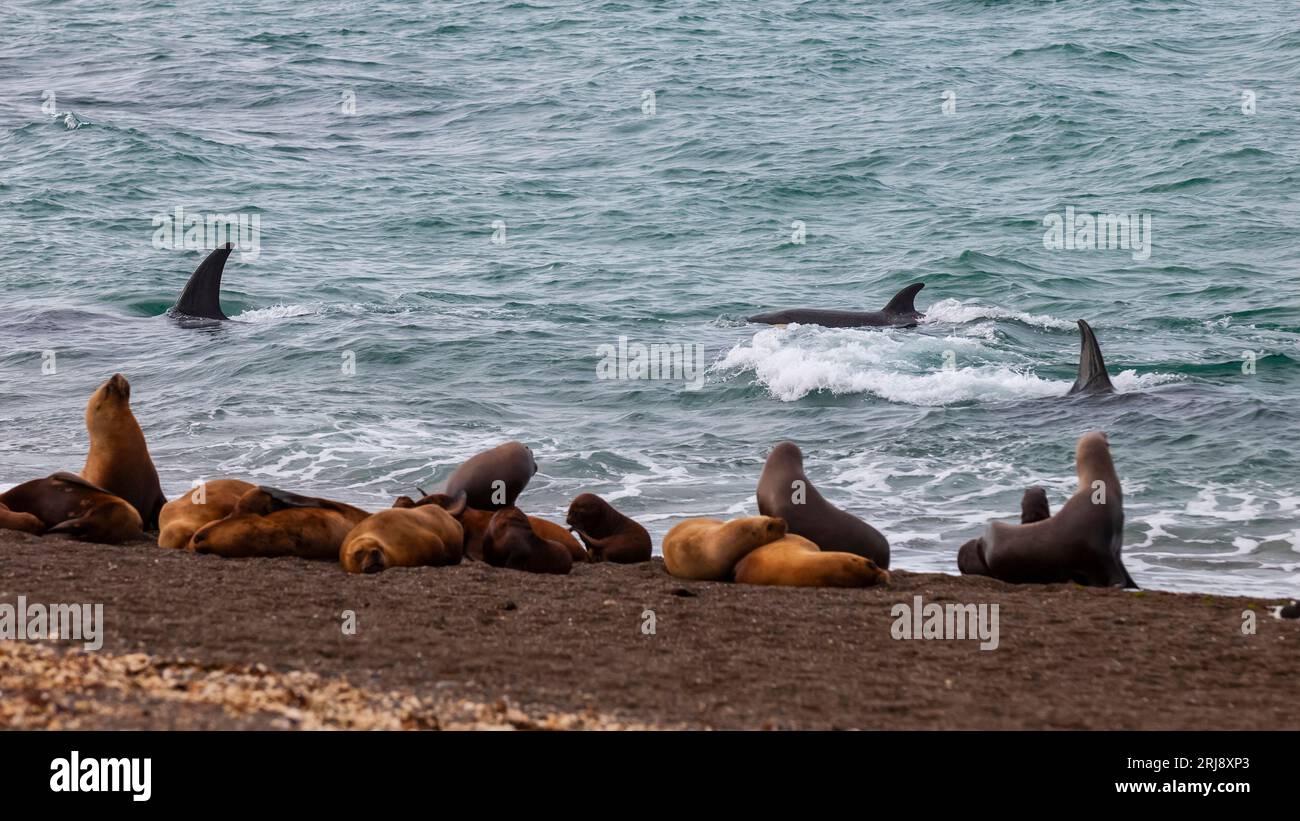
<point x="955" y="312"/>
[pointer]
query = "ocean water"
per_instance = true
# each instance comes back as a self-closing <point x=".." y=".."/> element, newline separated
<point x="467" y="200"/>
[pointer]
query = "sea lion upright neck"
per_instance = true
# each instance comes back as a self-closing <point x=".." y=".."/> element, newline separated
<point x="1093" y="463"/>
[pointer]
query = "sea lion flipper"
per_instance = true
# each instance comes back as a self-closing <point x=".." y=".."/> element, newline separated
<point x="1092" y="368"/>
<point x="202" y="295"/>
<point x="904" y="301"/>
<point x="281" y="499"/>
<point x="74" y="479"/>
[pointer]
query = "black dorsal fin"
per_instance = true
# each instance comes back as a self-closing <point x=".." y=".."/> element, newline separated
<point x="202" y="294"/>
<point x="902" y="303"/>
<point x="1092" y="368"/>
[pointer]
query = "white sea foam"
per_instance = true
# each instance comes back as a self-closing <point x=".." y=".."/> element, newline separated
<point x="956" y="312"/>
<point x="275" y="312"/>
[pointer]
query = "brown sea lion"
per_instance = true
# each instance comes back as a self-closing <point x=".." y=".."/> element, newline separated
<point x="181" y="517"/>
<point x="66" y="504"/>
<point x="708" y="549"/>
<point x="608" y="534"/>
<point x="405" y="536"/>
<point x="119" y="458"/>
<point x="271" y="522"/>
<point x="494" y="478"/>
<point x="796" y="562"/>
<point x="784" y="491"/>
<point x="511" y="542"/>
<point x="476" y="522"/>
<point x="1081" y="543"/>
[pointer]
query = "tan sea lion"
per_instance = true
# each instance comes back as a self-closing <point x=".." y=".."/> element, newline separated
<point x="475" y="522"/>
<point x="182" y="516"/>
<point x="608" y="534"/>
<point x="494" y="478"/>
<point x="511" y="542"/>
<point x="708" y="549"/>
<point x="66" y="504"/>
<point x="119" y="458"/>
<point x="796" y="562"/>
<point x="785" y="491"/>
<point x="271" y="522"/>
<point x="1081" y="543"/>
<point x="405" y="536"/>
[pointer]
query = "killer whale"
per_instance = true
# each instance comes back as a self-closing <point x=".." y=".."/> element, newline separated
<point x="900" y="312"/>
<point x="1092" y="376"/>
<point x="201" y="298"/>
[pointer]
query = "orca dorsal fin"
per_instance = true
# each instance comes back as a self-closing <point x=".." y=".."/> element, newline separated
<point x="202" y="295"/>
<point x="1092" y="368"/>
<point x="902" y="303"/>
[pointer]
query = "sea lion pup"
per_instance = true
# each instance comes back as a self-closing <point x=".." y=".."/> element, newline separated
<point x="66" y="504"/>
<point x="119" y="458"/>
<point x="475" y="522"/>
<point x="511" y="542"/>
<point x="181" y="517"/>
<point x="271" y="522"/>
<point x="609" y="535"/>
<point x="784" y="491"/>
<point x="1081" y="543"/>
<point x="796" y="562"/>
<point x="494" y="478"/>
<point x="405" y="535"/>
<point x="708" y="549"/>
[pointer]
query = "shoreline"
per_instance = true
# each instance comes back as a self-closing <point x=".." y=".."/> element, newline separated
<point x="474" y="646"/>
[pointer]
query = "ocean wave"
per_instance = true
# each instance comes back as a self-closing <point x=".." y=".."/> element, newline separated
<point x="956" y="312"/>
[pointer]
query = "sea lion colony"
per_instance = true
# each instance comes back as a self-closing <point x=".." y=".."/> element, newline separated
<point x="800" y="538"/>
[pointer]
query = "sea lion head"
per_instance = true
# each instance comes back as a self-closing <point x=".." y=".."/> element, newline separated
<point x="1034" y="506"/>
<point x="872" y="571"/>
<point x="108" y="403"/>
<point x="364" y="555"/>
<point x="233" y="535"/>
<point x="787" y="453"/>
<point x="970" y="559"/>
<point x="1092" y="461"/>
<point x="760" y="529"/>
<point x="588" y="511"/>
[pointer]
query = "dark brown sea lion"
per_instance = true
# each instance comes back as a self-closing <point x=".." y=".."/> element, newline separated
<point x="119" y="458"/>
<point x="608" y="534"/>
<point x="1081" y="543"/>
<point x="796" y="562"/>
<point x="181" y="517"/>
<point x="512" y="543"/>
<point x="475" y="522"/>
<point x="494" y="478"/>
<point x="784" y="491"/>
<point x="66" y="504"/>
<point x="271" y="522"/>
<point x="709" y="549"/>
<point x="404" y="536"/>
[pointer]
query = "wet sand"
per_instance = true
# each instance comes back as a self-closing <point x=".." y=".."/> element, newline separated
<point x="196" y="641"/>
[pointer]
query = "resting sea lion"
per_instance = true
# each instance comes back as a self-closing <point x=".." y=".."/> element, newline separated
<point x="608" y="534"/>
<point x="271" y="522"/>
<point x="66" y="504"/>
<point x="405" y="536"/>
<point x="797" y="562"/>
<point x="785" y="491"/>
<point x="708" y="549"/>
<point x="475" y="522"/>
<point x="512" y="543"/>
<point x="119" y="458"/>
<point x="182" y="516"/>
<point x="494" y="478"/>
<point x="1081" y="543"/>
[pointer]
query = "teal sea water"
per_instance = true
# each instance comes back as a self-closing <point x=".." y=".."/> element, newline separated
<point x="669" y="219"/>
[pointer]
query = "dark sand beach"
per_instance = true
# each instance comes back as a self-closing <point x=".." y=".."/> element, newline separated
<point x="196" y="641"/>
